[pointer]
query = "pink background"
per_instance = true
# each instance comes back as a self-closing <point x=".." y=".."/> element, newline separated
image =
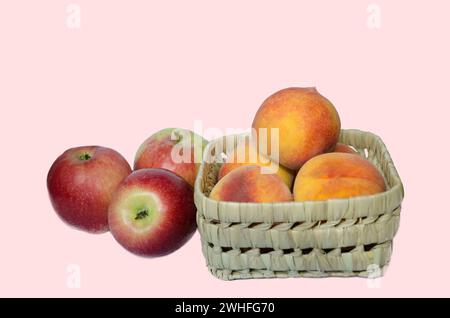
<point x="135" y="67"/>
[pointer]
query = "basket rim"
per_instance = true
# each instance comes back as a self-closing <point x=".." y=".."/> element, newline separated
<point x="392" y="197"/>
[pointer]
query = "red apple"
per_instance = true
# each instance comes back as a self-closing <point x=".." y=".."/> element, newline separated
<point x="152" y="212"/>
<point x="81" y="182"/>
<point x="174" y="149"/>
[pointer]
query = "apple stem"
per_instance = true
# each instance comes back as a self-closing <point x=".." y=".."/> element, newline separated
<point x="85" y="156"/>
<point x="176" y="136"/>
<point x="141" y="214"/>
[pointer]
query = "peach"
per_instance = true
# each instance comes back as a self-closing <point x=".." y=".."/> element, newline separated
<point x="248" y="184"/>
<point x="245" y="154"/>
<point x="344" y="148"/>
<point x="337" y="175"/>
<point x="308" y="125"/>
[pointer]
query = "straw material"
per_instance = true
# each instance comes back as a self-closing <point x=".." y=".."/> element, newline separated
<point x="339" y="237"/>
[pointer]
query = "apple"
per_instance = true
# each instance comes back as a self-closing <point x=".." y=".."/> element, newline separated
<point x="81" y="183"/>
<point x="174" y="149"/>
<point x="152" y="212"/>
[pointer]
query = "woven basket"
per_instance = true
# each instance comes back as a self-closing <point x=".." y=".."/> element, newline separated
<point x="339" y="237"/>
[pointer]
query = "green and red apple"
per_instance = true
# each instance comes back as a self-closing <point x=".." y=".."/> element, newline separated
<point x="174" y="149"/>
<point x="152" y="213"/>
<point x="81" y="183"/>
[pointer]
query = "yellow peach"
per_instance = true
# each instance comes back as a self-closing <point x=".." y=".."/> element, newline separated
<point x="344" y="148"/>
<point x="308" y="125"/>
<point x="337" y="175"/>
<point x="245" y="154"/>
<point x="248" y="184"/>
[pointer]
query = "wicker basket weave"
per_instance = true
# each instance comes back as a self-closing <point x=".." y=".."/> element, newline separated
<point x="340" y="237"/>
